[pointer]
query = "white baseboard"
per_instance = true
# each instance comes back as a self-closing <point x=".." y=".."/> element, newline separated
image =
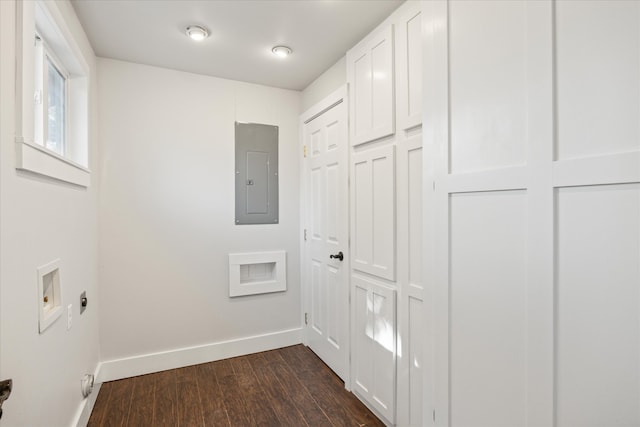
<point x="111" y="370"/>
<point x="372" y="409"/>
<point x="84" y="411"/>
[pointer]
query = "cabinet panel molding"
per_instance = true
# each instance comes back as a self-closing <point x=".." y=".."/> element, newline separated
<point x="411" y="328"/>
<point x="370" y="73"/>
<point x="408" y="60"/>
<point x="373" y="231"/>
<point x="374" y="351"/>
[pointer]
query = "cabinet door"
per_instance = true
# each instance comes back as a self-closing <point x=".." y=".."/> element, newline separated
<point x="373" y="212"/>
<point x="411" y="326"/>
<point x="374" y="350"/>
<point x="371" y="87"/>
<point x="408" y="40"/>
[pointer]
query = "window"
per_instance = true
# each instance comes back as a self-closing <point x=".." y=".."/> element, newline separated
<point x="57" y="85"/>
<point x="52" y="94"/>
<point x="51" y="100"/>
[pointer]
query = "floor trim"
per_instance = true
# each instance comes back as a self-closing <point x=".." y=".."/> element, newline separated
<point x="111" y="370"/>
<point x="84" y="410"/>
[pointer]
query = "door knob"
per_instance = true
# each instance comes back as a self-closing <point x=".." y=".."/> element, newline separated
<point x="339" y="256"/>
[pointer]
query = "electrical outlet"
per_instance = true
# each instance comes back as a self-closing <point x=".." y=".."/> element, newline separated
<point x="69" y="316"/>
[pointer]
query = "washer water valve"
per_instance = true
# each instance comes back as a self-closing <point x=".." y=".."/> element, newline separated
<point x="83" y="301"/>
<point x="86" y="384"/>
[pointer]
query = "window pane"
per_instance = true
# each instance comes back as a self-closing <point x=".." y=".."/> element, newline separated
<point x="56" y="110"/>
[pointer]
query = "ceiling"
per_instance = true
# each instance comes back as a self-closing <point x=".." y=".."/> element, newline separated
<point x="242" y="33"/>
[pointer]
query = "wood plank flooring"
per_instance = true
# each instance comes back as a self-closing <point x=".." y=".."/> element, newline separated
<point x="286" y="387"/>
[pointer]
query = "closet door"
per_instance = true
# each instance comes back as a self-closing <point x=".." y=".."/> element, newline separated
<point x="371" y="84"/>
<point x="409" y="178"/>
<point x="408" y="53"/>
<point x="532" y="120"/>
<point x="326" y="235"/>
<point x="374" y="344"/>
<point x="373" y="230"/>
<point x="410" y="282"/>
<point x="373" y="287"/>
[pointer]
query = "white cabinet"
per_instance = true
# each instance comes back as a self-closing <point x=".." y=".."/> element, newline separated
<point x="370" y="77"/>
<point x="384" y="73"/>
<point x="411" y="318"/>
<point x="374" y="344"/>
<point x="408" y="60"/>
<point x="373" y="238"/>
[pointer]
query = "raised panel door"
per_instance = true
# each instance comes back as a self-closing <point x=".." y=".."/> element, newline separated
<point x="373" y="211"/>
<point x="370" y="73"/>
<point x="326" y="236"/>
<point x="408" y="27"/>
<point x="374" y="350"/>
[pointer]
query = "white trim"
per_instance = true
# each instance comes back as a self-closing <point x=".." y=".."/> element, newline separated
<point x="429" y="199"/>
<point x="34" y="158"/>
<point x="372" y="408"/>
<point x="508" y="178"/>
<point x="81" y="419"/>
<point x="277" y="282"/>
<point x="46" y="316"/>
<point x="336" y="97"/>
<point x="332" y="100"/>
<point x="304" y="279"/>
<point x="52" y="27"/>
<point x="51" y="24"/>
<point x="111" y="370"/>
<point x="618" y="168"/>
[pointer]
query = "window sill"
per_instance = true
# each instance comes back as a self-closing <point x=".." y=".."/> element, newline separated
<point x="34" y="158"/>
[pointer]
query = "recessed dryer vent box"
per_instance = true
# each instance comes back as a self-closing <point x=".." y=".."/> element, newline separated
<point x="49" y="295"/>
<point x="257" y="273"/>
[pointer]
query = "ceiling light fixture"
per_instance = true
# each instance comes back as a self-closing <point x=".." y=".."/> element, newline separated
<point x="281" y="51"/>
<point x="197" y="32"/>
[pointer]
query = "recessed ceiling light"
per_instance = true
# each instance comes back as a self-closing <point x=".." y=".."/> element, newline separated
<point x="281" y="51"/>
<point x="197" y="32"/>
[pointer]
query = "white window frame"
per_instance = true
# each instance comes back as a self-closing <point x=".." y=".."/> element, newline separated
<point x="44" y="56"/>
<point x="49" y="21"/>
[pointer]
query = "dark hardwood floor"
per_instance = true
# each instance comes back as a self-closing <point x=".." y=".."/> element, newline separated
<point x="285" y="387"/>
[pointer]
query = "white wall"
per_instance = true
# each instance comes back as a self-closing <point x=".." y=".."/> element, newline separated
<point x="41" y="220"/>
<point x="167" y="210"/>
<point x="533" y="143"/>
<point x="325" y="84"/>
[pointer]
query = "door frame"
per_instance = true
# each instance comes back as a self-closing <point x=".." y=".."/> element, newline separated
<point x="338" y="96"/>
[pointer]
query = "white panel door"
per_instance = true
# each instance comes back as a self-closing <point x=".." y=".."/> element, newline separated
<point x="374" y="344"/>
<point x="326" y="245"/>
<point x="408" y="27"/>
<point x="371" y="84"/>
<point x="532" y="141"/>
<point x="410" y="284"/>
<point x="373" y="237"/>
